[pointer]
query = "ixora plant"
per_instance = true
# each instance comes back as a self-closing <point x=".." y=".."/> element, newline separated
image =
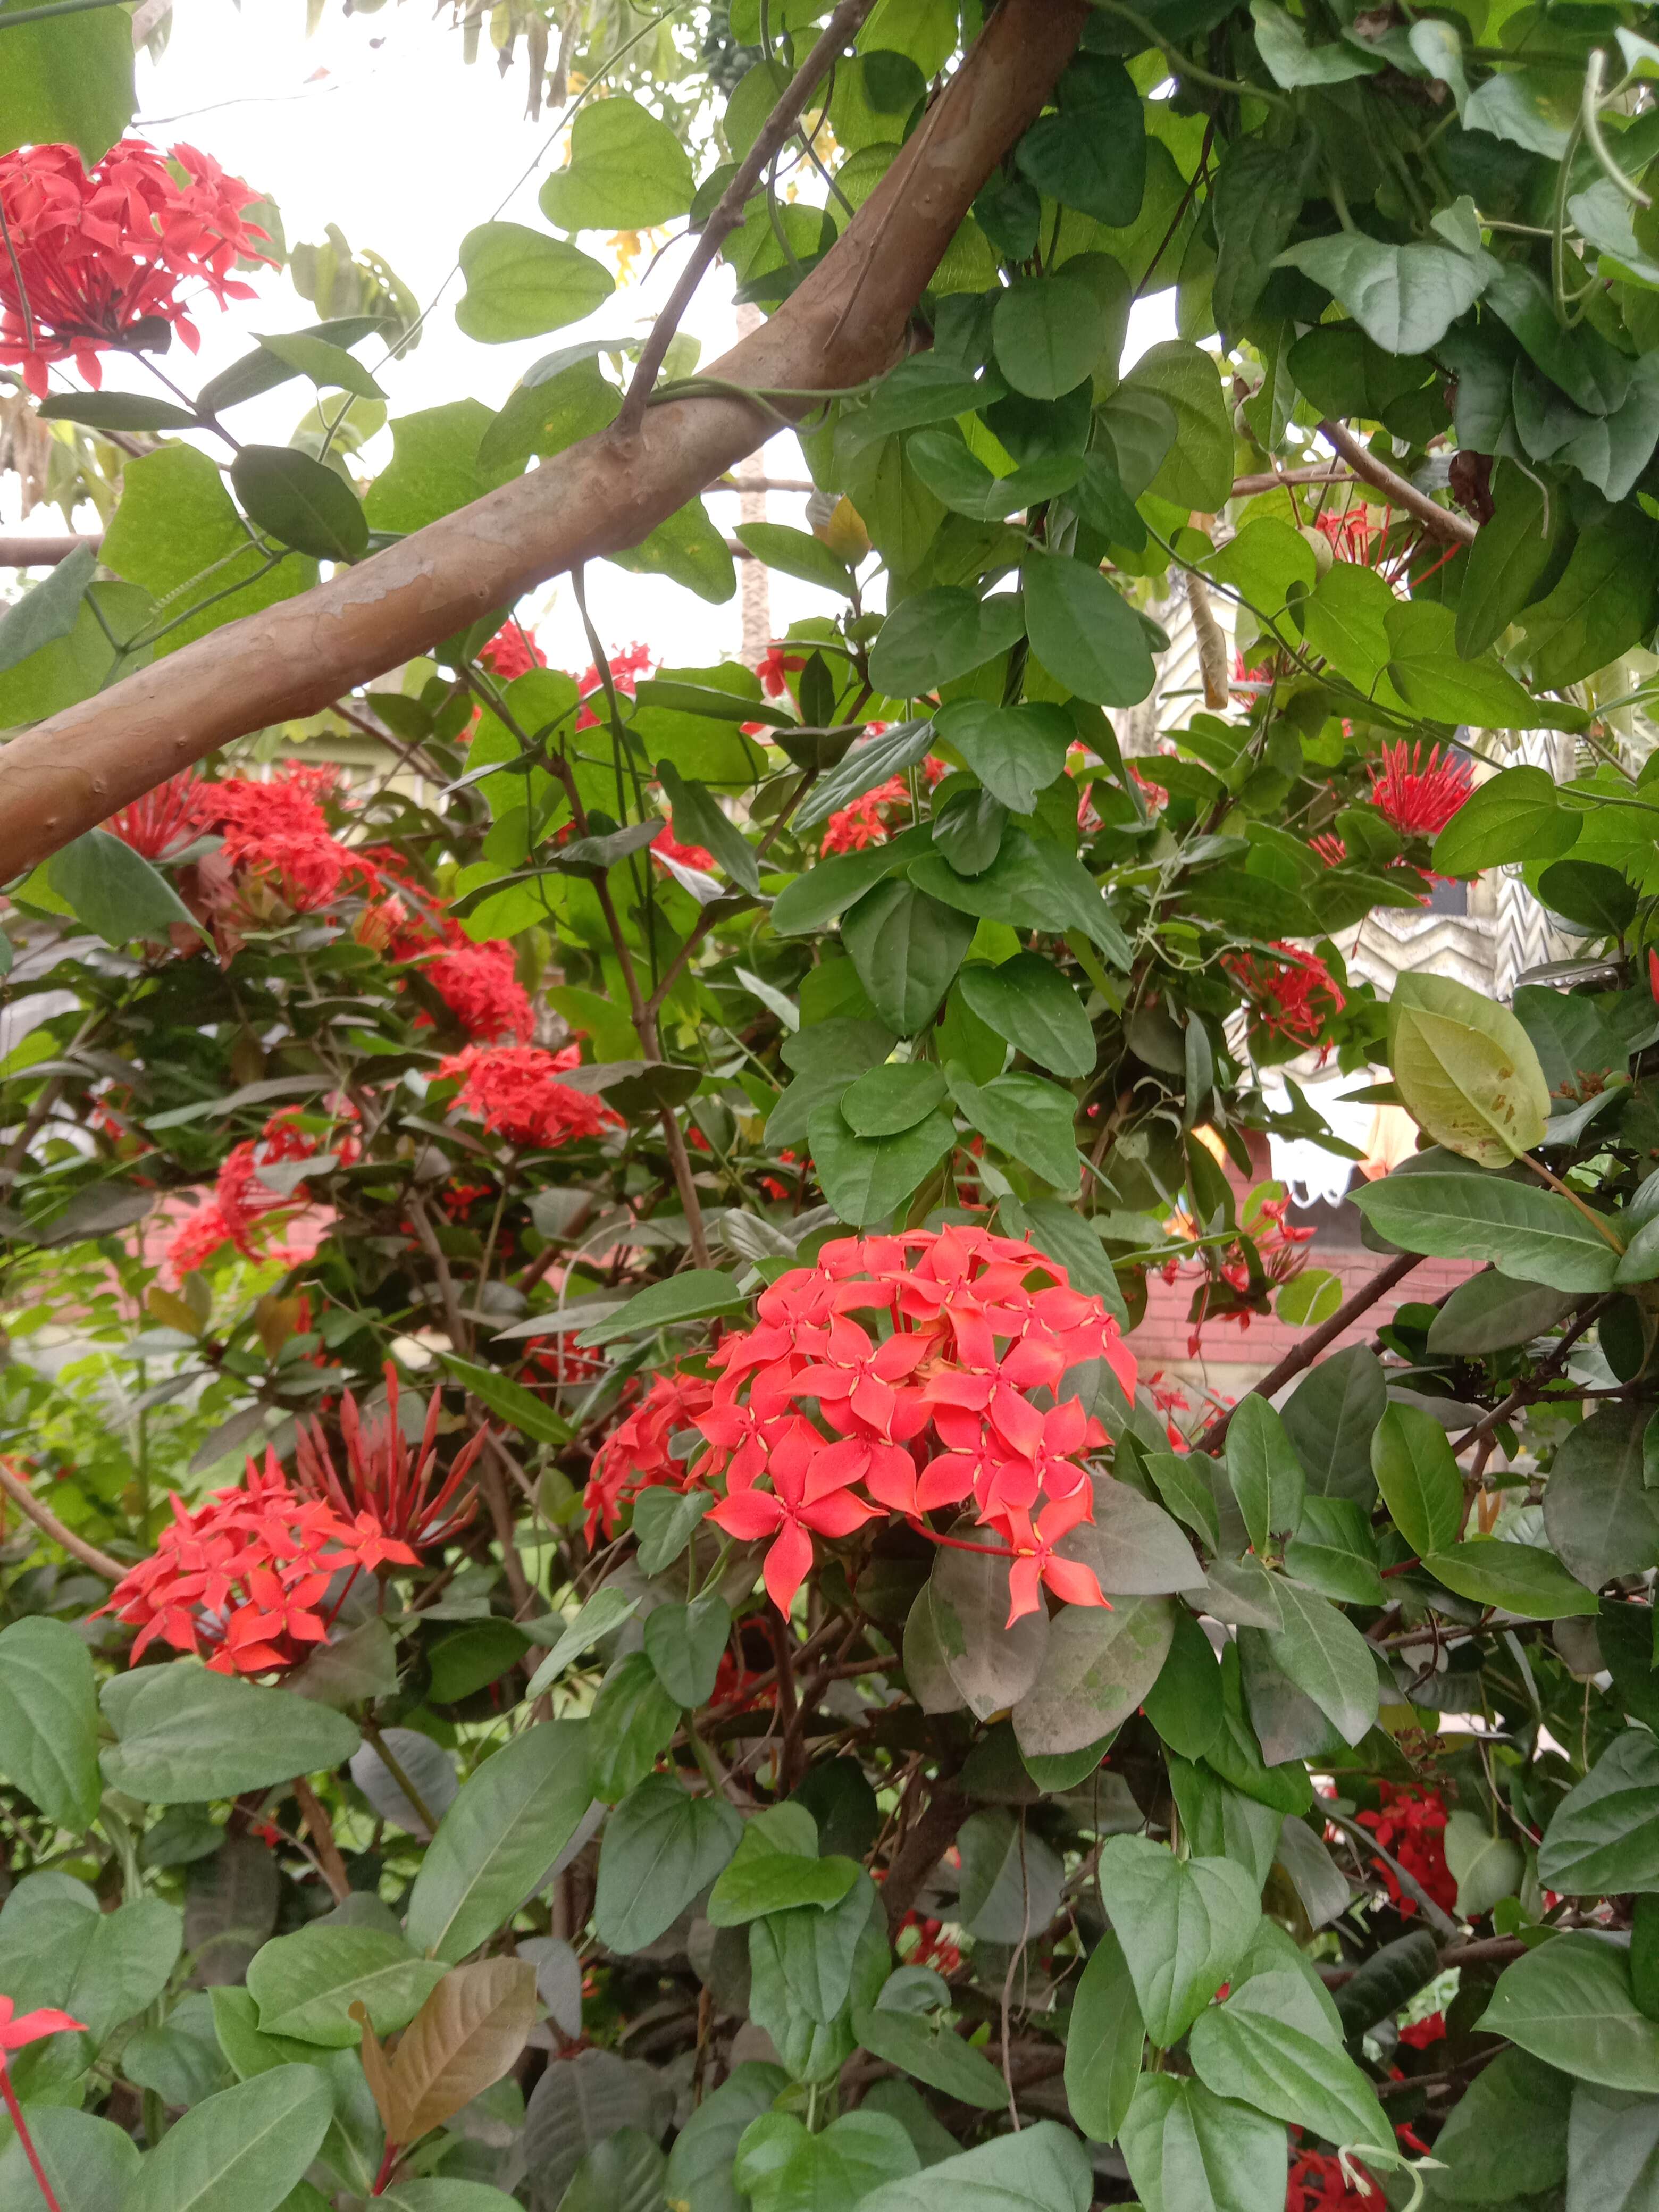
<point x="598" y="1611"/>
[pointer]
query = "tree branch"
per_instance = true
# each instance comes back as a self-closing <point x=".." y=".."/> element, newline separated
<point x="70" y="772"/>
<point x="1439" y="521"/>
<point x="48" y="1522"/>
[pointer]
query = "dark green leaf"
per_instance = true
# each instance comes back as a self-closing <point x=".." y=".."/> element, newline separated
<point x="1029" y="1119"/>
<point x="249" y="2147"/>
<point x="906" y="948"/>
<point x="1215" y="2155"/>
<point x="1600" y="1516"/>
<point x="698" y="1294"/>
<point x="1531" y="1233"/>
<point x="1183" y="1924"/>
<point x="519" y="1408"/>
<point x="632" y="1720"/>
<point x="1028" y="1002"/>
<point x="933" y="2055"/>
<point x="1084" y="632"/>
<point x="1267" y="1476"/>
<point x="301" y="502"/>
<point x="512" y="1817"/>
<point x="1420" y="1480"/>
<point x="1049" y="331"/>
<point x="114" y="889"/>
<point x="184" y="1734"/>
<point x="936" y="634"/>
<point x="864" y="1178"/>
<point x="892" y="1099"/>
<point x="48" y="610"/>
<point x="873" y="760"/>
<point x="1015" y="751"/>
<point x="1568" y="2003"/>
<point x="49" y="1719"/>
<point x="1104" y="2043"/>
<point x="662" y="1848"/>
<point x="1517" y="1577"/>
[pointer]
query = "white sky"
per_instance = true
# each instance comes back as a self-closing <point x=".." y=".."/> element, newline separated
<point x="376" y="125"/>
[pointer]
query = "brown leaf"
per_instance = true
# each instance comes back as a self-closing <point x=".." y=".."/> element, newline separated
<point x="463" y="2037"/>
<point x="377" y="2073"/>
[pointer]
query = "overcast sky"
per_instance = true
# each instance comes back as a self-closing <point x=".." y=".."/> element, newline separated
<point x="375" y="125"/>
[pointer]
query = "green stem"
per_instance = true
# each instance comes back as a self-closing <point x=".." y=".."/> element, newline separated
<point x="54" y="8"/>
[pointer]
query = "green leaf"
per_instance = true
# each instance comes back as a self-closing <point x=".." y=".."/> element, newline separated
<point x="687" y="549"/>
<point x="700" y="2160"/>
<point x="1092" y="154"/>
<point x="1489" y="1313"/>
<point x="1506" y="2136"/>
<point x="633" y="1719"/>
<point x="796" y="553"/>
<point x="906" y="948"/>
<point x="1587" y="892"/>
<point x="1183" y="1924"/>
<point x="1015" y="751"/>
<point x="67" y="82"/>
<point x="184" y="1734"/>
<point x="49" y="1719"/>
<point x="1031" y="884"/>
<point x="605" y="1611"/>
<point x="114" y="889"/>
<point x="1329" y="1660"/>
<point x="329" y="366"/>
<point x="1267" y="1476"/>
<point x="873" y="760"/>
<point x="547" y="413"/>
<point x="627" y="171"/>
<point x="1486" y="1868"/>
<point x="697" y="1295"/>
<point x="57" y="1949"/>
<point x="685" y="1643"/>
<point x="1405" y="297"/>
<point x="1011" y="1881"/>
<point x="265" y="368"/>
<point x="512" y="1819"/>
<point x="1517" y="815"/>
<point x="933" y="2055"/>
<point x="661" y="1849"/>
<point x="247" y="2147"/>
<point x="520" y="283"/>
<point x="1048" y="333"/>
<point x="1084" y="632"/>
<point x="962" y="481"/>
<point x="1197" y="470"/>
<point x="90" y="2163"/>
<point x="1058" y="1229"/>
<point x="301" y="502"/>
<point x="177" y="533"/>
<point x="1028" y="1002"/>
<point x="1029" y="1119"/>
<point x="1607" y="599"/>
<point x="116" y="410"/>
<point x="1270" y="2048"/>
<point x="1603" y="1837"/>
<point x="521" y="1409"/>
<point x="1256" y="198"/>
<point x="888" y="1101"/>
<point x="305" y="1984"/>
<point x="1431" y="675"/>
<point x="1526" y="107"/>
<point x="1104" y="2043"/>
<point x="1042" y="2169"/>
<point x="1568" y="2003"/>
<point x="1519" y="552"/>
<point x="768" y="1875"/>
<point x="1518" y="1578"/>
<point x="436" y="466"/>
<point x="810" y="1957"/>
<point x="48" y="610"/>
<point x="1189" y="2151"/>
<point x="936" y="634"/>
<point x="1601" y="1517"/>
<point x="864" y="1178"/>
<point x="1293" y="63"/>
<point x="1453" y="1214"/>
<point x="1421" y="1485"/>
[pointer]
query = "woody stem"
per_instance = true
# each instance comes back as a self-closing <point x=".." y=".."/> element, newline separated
<point x="23" y="2136"/>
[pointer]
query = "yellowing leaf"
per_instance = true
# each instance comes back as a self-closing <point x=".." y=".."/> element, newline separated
<point x="1467" y="1070"/>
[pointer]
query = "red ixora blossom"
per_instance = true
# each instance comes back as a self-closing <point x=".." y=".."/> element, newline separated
<point x="278" y="831"/>
<point x="515" y="1091"/>
<point x="244" y="1207"/>
<point x="1411" y="1826"/>
<point x="667" y="847"/>
<point x="1317" y="2183"/>
<point x="1294" y="996"/>
<point x="626" y="669"/>
<point x="103" y="254"/>
<point x="394" y="1495"/>
<point x="775" y="666"/>
<point x="242" y="1579"/>
<point x="164" y="821"/>
<point x="512" y="652"/>
<point x="479" y="984"/>
<point x="929" y="1409"/>
<point x="1419" y="797"/>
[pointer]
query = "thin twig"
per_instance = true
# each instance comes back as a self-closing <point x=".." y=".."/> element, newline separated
<point x="77" y="1547"/>
<point x="729" y="209"/>
<point x="1439" y="521"/>
<point x="320" y="1829"/>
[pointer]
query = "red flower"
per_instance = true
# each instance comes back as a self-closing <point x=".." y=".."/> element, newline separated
<point x="1330" y="848"/>
<point x="924" y="1404"/>
<point x="18" y="2031"/>
<point x="774" y="668"/>
<point x="480" y="986"/>
<point x="1351" y="534"/>
<point x="1154" y="793"/>
<point x="667" y="847"/>
<point x="1411" y="1826"/>
<point x="101" y="256"/>
<point x="391" y="1496"/>
<point x="164" y="821"/>
<point x="1422" y="2034"/>
<point x="243" y="1206"/>
<point x="278" y="831"/>
<point x="1293" y="997"/>
<point x="238" y="1579"/>
<point x="1653" y="975"/>
<point x="512" y="652"/>
<point x="514" y="1090"/>
<point x="1419" y="797"/>
<point x="626" y="669"/>
<point x="1317" y="2184"/>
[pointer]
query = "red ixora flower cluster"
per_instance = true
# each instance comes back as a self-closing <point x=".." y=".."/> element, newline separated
<point x="515" y="1091"/>
<point x="511" y="652"/>
<point x="243" y="1207"/>
<point x="865" y="822"/>
<point x="278" y="830"/>
<point x="479" y="984"/>
<point x="1411" y="1826"/>
<point x="933" y="1408"/>
<point x="97" y="257"/>
<point x="1318" y="2183"/>
<point x="240" y="1579"/>
<point x="1294" y="996"/>
<point x="1419" y="797"/>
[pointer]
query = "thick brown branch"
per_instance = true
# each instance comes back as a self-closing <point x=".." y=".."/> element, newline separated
<point x="922" y="1849"/>
<point x="70" y="773"/>
<point x="1439" y="521"/>
<point x="1304" y="1354"/>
